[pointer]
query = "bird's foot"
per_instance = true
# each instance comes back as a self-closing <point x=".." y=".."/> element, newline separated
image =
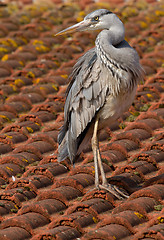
<point x="114" y="190"/>
<point x="110" y="188"/>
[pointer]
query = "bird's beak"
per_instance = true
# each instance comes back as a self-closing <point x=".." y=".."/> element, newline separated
<point x="81" y="26"/>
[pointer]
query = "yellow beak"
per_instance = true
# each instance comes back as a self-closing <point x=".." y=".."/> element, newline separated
<point x="81" y="26"/>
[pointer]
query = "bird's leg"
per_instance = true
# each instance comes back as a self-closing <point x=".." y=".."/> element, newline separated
<point x="105" y="185"/>
<point x="97" y="157"/>
<point x="97" y="161"/>
<point x="95" y="153"/>
<point x="104" y="180"/>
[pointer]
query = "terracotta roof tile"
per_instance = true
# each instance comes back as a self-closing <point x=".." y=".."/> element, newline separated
<point x="108" y="232"/>
<point x="13" y="233"/>
<point x="28" y="221"/>
<point x="60" y="232"/>
<point x="41" y="198"/>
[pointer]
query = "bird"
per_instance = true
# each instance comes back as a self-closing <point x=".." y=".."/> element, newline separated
<point x="102" y="87"/>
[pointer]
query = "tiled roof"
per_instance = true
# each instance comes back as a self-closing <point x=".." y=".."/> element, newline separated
<point x="43" y="199"/>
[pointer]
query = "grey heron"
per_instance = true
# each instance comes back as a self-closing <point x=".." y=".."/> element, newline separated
<point x="102" y="87"/>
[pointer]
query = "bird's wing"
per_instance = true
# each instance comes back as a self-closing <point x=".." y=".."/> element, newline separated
<point x="86" y="94"/>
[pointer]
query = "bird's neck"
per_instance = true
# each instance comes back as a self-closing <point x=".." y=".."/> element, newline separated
<point x="111" y="56"/>
<point x="108" y="39"/>
<point x="112" y="36"/>
<point x="116" y="34"/>
<point x="106" y="44"/>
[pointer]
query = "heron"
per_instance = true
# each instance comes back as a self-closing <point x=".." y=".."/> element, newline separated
<point x="102" y="87"/>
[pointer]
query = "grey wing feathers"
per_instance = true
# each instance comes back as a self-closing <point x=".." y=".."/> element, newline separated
<point x="85" y="96"/>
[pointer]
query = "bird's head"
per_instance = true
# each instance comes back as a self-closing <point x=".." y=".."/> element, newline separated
<point x="99" y="19"/>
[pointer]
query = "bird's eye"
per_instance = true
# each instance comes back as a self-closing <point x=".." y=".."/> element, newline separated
<point x="96" y="18"/>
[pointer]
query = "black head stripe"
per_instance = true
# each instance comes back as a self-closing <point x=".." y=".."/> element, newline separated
<point x="105" y="13"/>
<point x="98" y="13"/>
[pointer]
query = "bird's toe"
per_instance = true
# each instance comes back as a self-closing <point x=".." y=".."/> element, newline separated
<point x="114" y="190"/>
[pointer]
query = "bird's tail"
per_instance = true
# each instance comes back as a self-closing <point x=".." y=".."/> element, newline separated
<point x="72" y="148"/>
<point x="63" y="146"/>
